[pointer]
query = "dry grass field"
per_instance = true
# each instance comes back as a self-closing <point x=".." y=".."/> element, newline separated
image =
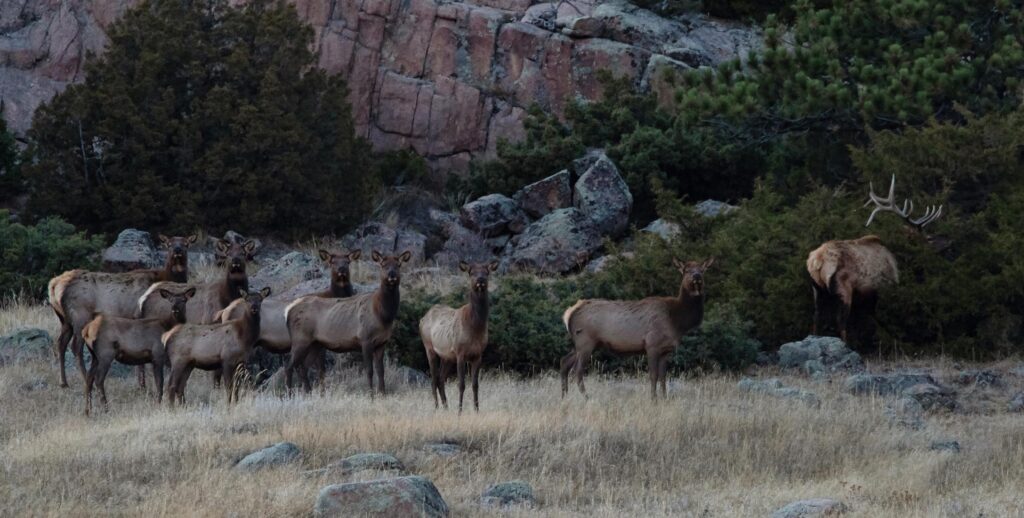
<point x="709" y="450"/>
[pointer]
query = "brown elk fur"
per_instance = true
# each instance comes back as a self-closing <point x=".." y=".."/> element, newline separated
<point x="458" y="336"/>
<point x="359" y="323"/>
<point x="848" y="272"/>
<point x="222" y="346"/>
<point x="653" y="326"/>
<point x="77" y="295"/>
<point x="130" y="341"/>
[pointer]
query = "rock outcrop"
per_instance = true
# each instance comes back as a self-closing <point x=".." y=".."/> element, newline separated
<point x="401" y="496"/>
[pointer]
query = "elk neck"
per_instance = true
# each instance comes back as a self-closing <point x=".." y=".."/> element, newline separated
<point x="340" y="288"/>
<point x="686" y="310"/>
<point x="250" y="328"/>
<point x="479" y="307"/>
<point x="176" y="271"/>
<point x="233" y="283"/>
<point x="385" y="302"/>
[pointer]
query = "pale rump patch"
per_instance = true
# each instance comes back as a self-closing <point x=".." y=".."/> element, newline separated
<point x="568" y="313"/>
<point x="92" y="330"/>
<point x="294" y="303"/>
<point x="225" y="314"/>
<point x="152" y="289"/>
<point x="56" y="288"/>
<point x="166" y="337"/>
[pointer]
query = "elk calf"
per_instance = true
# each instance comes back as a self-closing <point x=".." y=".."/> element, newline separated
<point x="132" y="342"/>
<point x="653" y="325"/>
<point x="458" y="336"/>
<point x="359" y="323"/>
<point x="209" y="347"/>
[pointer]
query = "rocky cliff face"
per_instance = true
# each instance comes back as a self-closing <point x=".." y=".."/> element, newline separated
<point x="448" y="79"/>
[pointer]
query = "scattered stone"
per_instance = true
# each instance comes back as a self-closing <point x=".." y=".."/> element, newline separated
<point x="375" y="235"/>
<point x="443" y="449"/>
<point x="246" y="428"/>
<point x="412" y="377"/>
<point x="276" y="455"/>
<point x="932" y="396"/>
<point x="713" y="208"/>
<point x="506" y="494"/>
<point x="25" y="344"/>
<point x="665" y="229"/>
<point x="813" y="508"/>
<point x="583" y="27"/>
<point x="132" y="250"/>
<point x="947" y="446"/>
<point x="1016" y="404"/>
<point x="411" y="496"/>
<point x="368" y="461"/>
<point x="774" y="387"/>
<point x="540" y="198"/>
<point x="493" y="215"/>
<point x="980" y="378"/>
<point x="820" y="355"/>
<point x="905" y="412"/>
<point x="291" y="269"/>
<point x="557" y="243"/>
<point x="601" y="263"/>
<point x="462" y="245"/>
<point x="604" y="197"/>
<point x="885" y="384"/>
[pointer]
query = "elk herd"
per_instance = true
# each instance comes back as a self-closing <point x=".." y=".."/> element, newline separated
<point x="160" y="318"/>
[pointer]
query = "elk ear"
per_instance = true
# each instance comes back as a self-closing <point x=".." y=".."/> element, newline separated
<point x="464" y="266"/>
<point x="707" y="264"/>
<point x="678" y="264"/>
<point x="355" y="255"/>
<point x="191" y="240"/>
<point x="493" y="265"/>
<point x="191" y="292"/>
<point x="325" y="256"/>
<point x="242" y="293"/>
<point x="406" y="255"/>
<point x="376" y="256"/>
<point x="249" y="247"/>
<point x="223" y="246"/>
<point x="164" y="240"/>
<point x="165" y="294"/>
<point x="265" y="292"/>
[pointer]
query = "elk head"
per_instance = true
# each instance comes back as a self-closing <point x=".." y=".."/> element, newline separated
<point x="177" y="247"/>
<point x="888" y="204"/>
<point x="390" y="266"/>
<point x="479" y="273"/>
<point x="339" y="264"/>
<point x="693" y="275"/>
<point x="235" y="255"/>
<point x="254" y="299"/>
<point x="178" y="301"/>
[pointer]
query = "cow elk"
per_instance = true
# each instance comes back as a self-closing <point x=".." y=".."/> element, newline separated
<point x="132" y="342"/>
<point x="76" y="296"/>
<point x="653" y="326"/>
<point x="360" y="323"/>
<point x="458" y="336"/>
<point x="850" y="273"/>
<point x="221" y="346"/>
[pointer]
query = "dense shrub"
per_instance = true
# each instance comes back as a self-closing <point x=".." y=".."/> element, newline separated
<point x="10" y="166"/>
<point x="31" y="255"/>
<point x="200" y="114"/>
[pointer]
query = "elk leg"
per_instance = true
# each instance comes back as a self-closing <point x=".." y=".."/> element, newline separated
<point x="460" y="367"/>
<point x="476" y="384"/>
<point x="89" y="379"/>
<point x="663" y="373"/>
<point x="158" y="378"/>
<point x="140" y="374"/>
<point x="653" y="360"/>
<point x="378" y="362"/>
<point x="216" y="376"/>
<point x="78" y="348"/>
<point x="432" y="362"/>
<point x="319" y="361"/>
<point x="567" y="363"/>
<point x="441" y="379"/>
<point x="61" y="349"/>
<point x="304" y="375"/>
<point x="582" y="358"/>
<point x="229" y="371"/>
<point x="101" y="376"/>
<point x="843" y="314"/>
<point x="368" y="366"/>
<point x="298" y="355"/>
<point x="817" y="308"/>
<point x="183" y="382"/>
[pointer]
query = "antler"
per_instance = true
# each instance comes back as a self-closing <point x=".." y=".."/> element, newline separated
<point x="887" y="204"/>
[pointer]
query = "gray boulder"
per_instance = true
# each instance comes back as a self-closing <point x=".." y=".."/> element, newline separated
<point x="369" y="461"/>
<point x="1016" y="403"/>
<point x="932" y="396"/>
<point x="819" y="355"/>
<point x="26" y="344"/>
<point x="493" y="215"/>
<point x="983" y="378"/>
<point x="604" y="197"/>
<point x="812" y="508"/>
<point x="377" y="236"/>
<point x="557" y="243"/>
<point x="132" y="250"/>
<point x="506" y="494"/>
<point x="543" y="196"/>
<point x="885" y="384"/>
<point x="905" y="412"/>
<point x="664" y="229"/>
<point x="287" y="271"/>
<point x="462" y="244"/>
<point x="276" y="455"/>
<point x="774" y="387"/>
<point x="386" y="498"/>
<point x="714" y="208"/>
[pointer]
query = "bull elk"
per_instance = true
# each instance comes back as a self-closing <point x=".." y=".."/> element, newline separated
<point x="653" y="325"/>
<point x="851" y="272"/>
<point x="221" y="346"/>
<point x="273" y="327"/>
<point x="76" y="296"/>
<point x="132" y="342"/>
<point x="360" y="323"/>
<point x="458" y="336"/>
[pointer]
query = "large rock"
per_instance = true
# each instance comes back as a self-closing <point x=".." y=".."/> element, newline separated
<point x="399" y="497"/>
<point x="603" y="195"/>
<point x="493" y="215"/>
<point x="506" y="494"/>
<point x="132" y="250"/>
<point x="714" y="208"/>
<point x="463" y="244"/>
<point x="905" y="412"/>
<point x="286" y="272"/>
<point x="557" y="243"/>
<point x="541" y="197"/>
<point x="386" y="240"/>
<point x="27" y="344"/>
<point x="276" y="455"/>
<point x="919" y="387"/>
<point x="664" y="229"/>
<point x="812" y="508"/>
<point x="819" y="354"/>
<point x="1016" y="403"/>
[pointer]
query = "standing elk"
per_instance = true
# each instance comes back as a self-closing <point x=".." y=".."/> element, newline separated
<point x="130" y="341"/>
<point x="653" y="325"/>
<point x="273" y="327"/>
<point x="458" y="336"/>
<point x="852" y="272"/>
<point x="76" y="296"/>
<point x="222" y="346"/>
<point x="359" y="323"/>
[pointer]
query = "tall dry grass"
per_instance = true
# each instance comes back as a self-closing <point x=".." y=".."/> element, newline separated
<point x="709" y="450"/>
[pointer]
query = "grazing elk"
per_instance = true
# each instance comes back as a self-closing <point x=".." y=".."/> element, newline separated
<point x="852" y="272"/>
<point x="221" y="346"/>
<point x="359" y="323"/>
<point x="273" y="327"/>
<point x="132" y="342"/>
<point x="653" y="325"/>
<point x="458" y="336"/>
<point x="77" y="295"/>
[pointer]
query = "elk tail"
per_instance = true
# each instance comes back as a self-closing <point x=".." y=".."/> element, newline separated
<point x="567" y="316"/>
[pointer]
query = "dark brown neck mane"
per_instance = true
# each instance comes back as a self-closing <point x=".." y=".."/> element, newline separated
<point x="385" y="302"/>
<point x="479" y="307"/>
<point x="339" y="288"/>
<point x="686" y="310"/>
<point x="233" y="283"/>
<point x="249" y="328"/>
